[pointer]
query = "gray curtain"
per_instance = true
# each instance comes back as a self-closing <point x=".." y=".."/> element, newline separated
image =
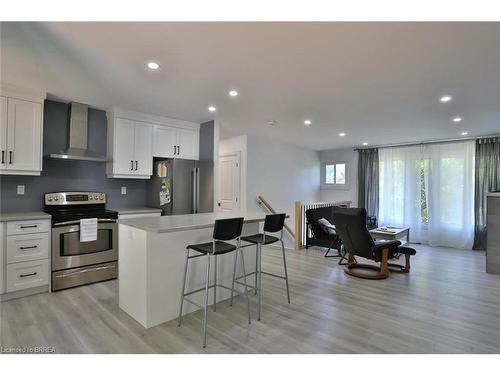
<point x="368" y="180"/>
<point x="487" y="178"/>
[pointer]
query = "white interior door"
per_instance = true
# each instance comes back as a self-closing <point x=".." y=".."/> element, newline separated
<point x="123" y="162"/>
<point x="143" y="146"/>
<point x="24" y="129"/>
<point x="229" y="171"/>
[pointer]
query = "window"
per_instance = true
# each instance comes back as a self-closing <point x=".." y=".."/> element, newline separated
<point x="335" y="174"/>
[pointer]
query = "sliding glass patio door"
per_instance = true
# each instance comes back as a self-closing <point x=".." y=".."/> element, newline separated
<point x="429" y="188"/>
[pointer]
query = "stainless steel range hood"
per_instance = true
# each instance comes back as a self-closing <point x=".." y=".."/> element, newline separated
<point x="78" y="135"/>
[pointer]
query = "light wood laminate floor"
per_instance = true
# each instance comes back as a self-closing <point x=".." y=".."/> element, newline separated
<point x="447" y="304"/>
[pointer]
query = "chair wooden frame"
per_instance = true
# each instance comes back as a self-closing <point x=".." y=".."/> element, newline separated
<point x="380" y="272"/>
<point x="399" y="268"/>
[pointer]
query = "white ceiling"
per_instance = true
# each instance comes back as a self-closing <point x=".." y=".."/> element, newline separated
<point x="377" y="82"/>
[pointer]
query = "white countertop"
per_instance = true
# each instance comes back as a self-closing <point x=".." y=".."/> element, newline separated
<point x="17" y="216"/>
<point x="136" y="210"/>
<point x="176" y="223"/>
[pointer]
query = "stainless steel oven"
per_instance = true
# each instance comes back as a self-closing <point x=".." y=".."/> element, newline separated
<point x="75" y="262"/>
<point x="69" y="252"/>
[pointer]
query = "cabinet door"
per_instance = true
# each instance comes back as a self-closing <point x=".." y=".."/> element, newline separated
<point x="123" y="153"/>
<point x="143" y="162"/>
<point x="24" y="135"/>
<point x="165" y="140"/>
<point x="187" y="140"/>
<point x="3" y="133"/>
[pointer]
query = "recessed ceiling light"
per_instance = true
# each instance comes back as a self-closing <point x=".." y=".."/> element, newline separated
<point x="457" y="119"/>
<point x="445" y="99"/>
<point x="212" y="108"/>
<point x="464" y="133"/>
<point x="153" y="65"/>
<point x="233" y="93"/>
<point x="272" y="123"/>
<point x="342" y="134"/>
<point x="365" y="143"/>
<point x="307" y="122"/>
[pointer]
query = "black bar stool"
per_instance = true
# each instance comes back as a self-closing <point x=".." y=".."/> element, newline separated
<point x="272" y="224"/>
<point x="224" y="230"/>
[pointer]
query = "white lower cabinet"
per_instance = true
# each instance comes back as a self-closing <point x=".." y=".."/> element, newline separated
<point x="27" y="247"/>
<point x="24" y="256"/>
<point x="26" y="275"/>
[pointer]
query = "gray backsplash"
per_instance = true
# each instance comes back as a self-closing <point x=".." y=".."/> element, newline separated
<point x="70" y="175"/>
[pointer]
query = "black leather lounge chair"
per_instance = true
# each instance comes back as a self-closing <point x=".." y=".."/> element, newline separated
<point x="350" y="224"/>
<point x="321" y="235"/>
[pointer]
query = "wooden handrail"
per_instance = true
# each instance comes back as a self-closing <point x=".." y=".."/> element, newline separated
<point x="262" y="202"/>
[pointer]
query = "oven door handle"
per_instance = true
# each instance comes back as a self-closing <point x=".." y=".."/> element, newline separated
<point x="78" y="272"/>
<point x="78" y="222"/>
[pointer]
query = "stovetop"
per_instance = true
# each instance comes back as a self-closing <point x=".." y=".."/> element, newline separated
<point x="61" y="215"/>
<point x="70" y="206"/>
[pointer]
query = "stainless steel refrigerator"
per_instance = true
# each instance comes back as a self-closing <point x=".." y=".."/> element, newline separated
<point x="182" y="186"/>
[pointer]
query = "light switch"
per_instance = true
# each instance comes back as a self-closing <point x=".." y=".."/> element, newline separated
<point x="124" y="190"/>
<point x="20" y="189"/>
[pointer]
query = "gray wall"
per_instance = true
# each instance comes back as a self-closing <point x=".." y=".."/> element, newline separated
<point x="68" y="175"/>
<point x="207" y="134"/>
<point x="282" y="173"/>
<point x="350" y="190"/>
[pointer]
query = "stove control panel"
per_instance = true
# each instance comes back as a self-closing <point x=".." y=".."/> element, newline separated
<point x="75" y="197"/>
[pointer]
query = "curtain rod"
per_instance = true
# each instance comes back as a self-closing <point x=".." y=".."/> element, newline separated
<point x="427" y="142"/>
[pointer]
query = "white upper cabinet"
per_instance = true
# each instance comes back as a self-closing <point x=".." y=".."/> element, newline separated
<point x="3" y="132"/>
<point x="123" y="156"/>
<point x="165" y="141"/>
<point x="142" y="148"/>
<point x="187" y="142"/>
<point x="174" y="142"/>
<point x="21" y="131"/>
<point x="129" y="147"/>
<point x="135" y="138"/>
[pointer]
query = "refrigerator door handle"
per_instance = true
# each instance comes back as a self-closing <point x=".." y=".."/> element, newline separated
<point x="194" y="190"/>
<point x="197" y="189"/>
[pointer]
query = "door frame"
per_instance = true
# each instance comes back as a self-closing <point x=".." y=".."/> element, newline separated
<point x="238" y="184"/>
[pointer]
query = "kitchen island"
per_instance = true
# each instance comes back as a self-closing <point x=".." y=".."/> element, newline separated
<point x="152" y="254"/>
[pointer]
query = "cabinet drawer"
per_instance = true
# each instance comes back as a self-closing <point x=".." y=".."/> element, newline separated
<point x="27" y="226"/>
<point x="27" y="275"/>
<point x="24" y="247"/>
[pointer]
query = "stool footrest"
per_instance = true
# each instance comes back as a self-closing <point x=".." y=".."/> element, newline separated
<point x="264" y="273"/>
<point x="240" y="283"/>
<point x="194" y="303"/>
<point x="210" y="287"/>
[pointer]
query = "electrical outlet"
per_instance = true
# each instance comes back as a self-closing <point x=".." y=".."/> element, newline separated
<point x="124" y="190"/>
<point x="20" y="189"/>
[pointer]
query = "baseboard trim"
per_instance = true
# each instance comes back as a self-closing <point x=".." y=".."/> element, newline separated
<point x="24" y="293"/>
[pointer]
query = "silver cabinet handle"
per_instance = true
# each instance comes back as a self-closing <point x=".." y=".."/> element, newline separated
<point x="3" y="156"/>
<point x="136" y="164"/>
<point x="28" y="226"/>
<point x="175" y="150"/>
<point x="178" y="150"/>
<point x="131" y="165"/>
<point x="10" y="157"/>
